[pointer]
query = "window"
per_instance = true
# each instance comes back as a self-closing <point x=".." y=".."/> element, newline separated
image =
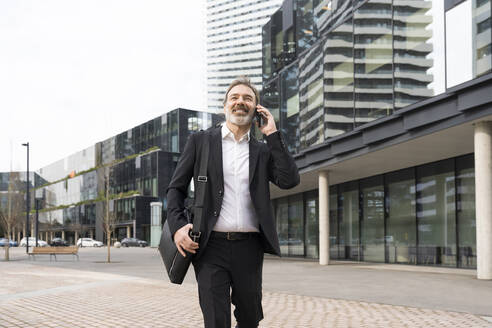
<point x="436" y="221"/>
<point x="372" y="224"/>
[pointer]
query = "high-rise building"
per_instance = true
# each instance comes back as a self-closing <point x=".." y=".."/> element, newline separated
<point x="233" y="36"/>
<point x="386" y="107"/>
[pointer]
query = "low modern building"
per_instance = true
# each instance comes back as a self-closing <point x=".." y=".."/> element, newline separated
<point x="387" y="107"/>
<point x="140" y="161"/>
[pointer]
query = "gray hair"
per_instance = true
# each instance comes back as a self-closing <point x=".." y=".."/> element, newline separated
<point x="243" y="80"/>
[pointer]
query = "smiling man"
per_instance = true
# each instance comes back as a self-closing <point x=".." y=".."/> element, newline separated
<point x="238" y="226"/>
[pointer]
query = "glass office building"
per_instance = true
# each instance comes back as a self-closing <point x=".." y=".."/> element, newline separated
<point x="140" y="160"/>
<point x="383" y="95"/>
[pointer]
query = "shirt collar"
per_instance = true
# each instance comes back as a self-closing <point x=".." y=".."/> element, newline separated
<point x="226" y="133"/>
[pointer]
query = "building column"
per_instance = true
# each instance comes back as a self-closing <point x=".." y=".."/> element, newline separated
<point x="91" y="234"/>
<point x="63" y="235"/>
<point x="128" y="235"/>
<point x="324" y="218"/>
<point x="76" y="236"/>
<point x="18" y="236"/>
<point x="483" y="195"/>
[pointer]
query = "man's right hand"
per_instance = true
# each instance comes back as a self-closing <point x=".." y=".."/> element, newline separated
<point x="183" y="241"/>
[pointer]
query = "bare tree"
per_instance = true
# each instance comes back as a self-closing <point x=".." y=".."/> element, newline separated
<point x="10" y="215"/>
<point x="109" y="218"/>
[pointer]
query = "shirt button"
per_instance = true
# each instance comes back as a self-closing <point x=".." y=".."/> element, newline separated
<point x="220" y="192"/>
<point x="215" y="213"/>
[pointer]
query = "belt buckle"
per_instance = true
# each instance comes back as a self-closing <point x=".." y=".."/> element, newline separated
<point x="195" y="236"/>
<point x="229" y="234"/>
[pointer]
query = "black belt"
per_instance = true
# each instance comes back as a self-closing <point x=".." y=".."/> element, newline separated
<point x="233" y="235"/>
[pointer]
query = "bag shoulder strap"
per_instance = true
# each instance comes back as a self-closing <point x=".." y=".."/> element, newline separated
<point x="200" y="187"/>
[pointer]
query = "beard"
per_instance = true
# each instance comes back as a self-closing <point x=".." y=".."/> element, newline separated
<point x="239" y="120"/>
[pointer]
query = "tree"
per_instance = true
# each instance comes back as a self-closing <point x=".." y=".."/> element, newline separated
<point x="109" y="218"/>
<point x="11" y="213"/>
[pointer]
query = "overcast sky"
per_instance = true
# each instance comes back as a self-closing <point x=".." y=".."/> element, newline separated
<point x="75" y="72"/>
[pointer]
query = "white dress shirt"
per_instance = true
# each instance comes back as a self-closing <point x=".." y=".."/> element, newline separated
<point x="237" y="213"/>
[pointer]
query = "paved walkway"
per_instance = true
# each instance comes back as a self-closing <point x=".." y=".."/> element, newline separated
<point x="46" y="294"/>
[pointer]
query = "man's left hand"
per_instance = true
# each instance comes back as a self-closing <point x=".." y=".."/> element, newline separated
<point x="268" y="127"/>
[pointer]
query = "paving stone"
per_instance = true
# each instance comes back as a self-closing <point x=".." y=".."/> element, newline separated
<point x="56" y="297"/>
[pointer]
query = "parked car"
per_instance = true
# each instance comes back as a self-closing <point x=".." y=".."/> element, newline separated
<point x="126" y="242"/>
<point x="32" y="242"/>
<point x="3" y="242"/>
<point x="58" y="242"/>
<point x="89" y="242"/>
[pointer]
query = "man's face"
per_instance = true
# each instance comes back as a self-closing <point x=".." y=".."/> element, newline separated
<point x="240" y="105"/>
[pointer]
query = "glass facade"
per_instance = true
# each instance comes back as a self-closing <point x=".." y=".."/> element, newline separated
<point x="436" y="214"/>
<point x="413" y="51"/>
<point x="348" y="211"/>
<point x="465" y="212"/>
<point x="338" y="83"/>
<point x="168" y="132"/>
<point x="423" y="215"/>
<point x="401" y="226"/>
<point x="372" y="219"/>
<point x="289" y="107"/>
<point x="141" y="162"/>
<point x="356" y="61"/>
<point x="311" y="226"/>
<point x="334" y="223"/>
<point x="311" y="98"/>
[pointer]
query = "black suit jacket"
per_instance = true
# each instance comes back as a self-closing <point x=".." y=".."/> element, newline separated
<point x="267" y="162"/>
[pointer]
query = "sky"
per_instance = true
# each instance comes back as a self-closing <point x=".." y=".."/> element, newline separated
<point x="76" y="72"/>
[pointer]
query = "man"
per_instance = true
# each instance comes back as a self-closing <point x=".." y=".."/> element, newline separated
<point x="238" y="225"/>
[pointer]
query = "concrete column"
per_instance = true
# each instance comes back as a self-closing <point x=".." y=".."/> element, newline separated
<point x="324" y="218"/>
<point x="18" y="236"/>
<point x="483" y="197"/>
<point x="128" y="232"/>
<point x="76" y="236"/>
<point x="63" y="235"/>
<point x="91" y="234"/>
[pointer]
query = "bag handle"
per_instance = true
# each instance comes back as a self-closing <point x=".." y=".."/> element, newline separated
<point x="200" y="185"/>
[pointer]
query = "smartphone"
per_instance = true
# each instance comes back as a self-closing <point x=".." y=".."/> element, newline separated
<point x="259" y="117"/>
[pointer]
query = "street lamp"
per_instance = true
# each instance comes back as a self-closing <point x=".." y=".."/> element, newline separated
<point x="27" y="200"/>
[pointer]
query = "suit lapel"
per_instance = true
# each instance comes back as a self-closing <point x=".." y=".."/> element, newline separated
<point x="254" y="151"/>
<point x="216" y="156"/>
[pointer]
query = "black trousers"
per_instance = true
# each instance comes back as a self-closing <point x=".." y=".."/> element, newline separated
<point x="225" y="266"/>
